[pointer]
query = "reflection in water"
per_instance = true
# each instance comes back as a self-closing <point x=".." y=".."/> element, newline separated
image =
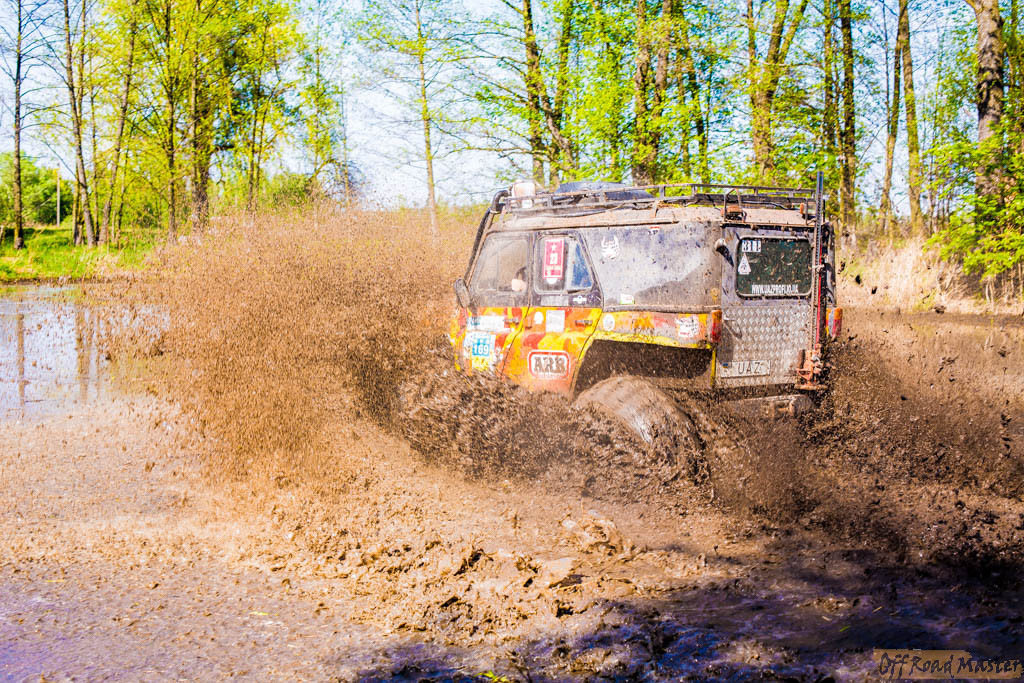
<point x="49" y="352"/>
<point x="21" y="360"/>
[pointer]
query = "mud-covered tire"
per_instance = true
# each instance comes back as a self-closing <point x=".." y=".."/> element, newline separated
<point x="647" y="412"/>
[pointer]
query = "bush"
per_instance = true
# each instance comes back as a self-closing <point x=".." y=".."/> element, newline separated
<point x="38" y="192"/>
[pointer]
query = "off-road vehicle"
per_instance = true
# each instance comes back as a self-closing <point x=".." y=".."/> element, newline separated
<point x="620" y="296"/>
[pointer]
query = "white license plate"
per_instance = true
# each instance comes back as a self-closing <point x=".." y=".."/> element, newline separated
<point x="745" y="368"/>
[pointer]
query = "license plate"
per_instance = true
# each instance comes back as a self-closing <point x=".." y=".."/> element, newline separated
<point x="745" y="368"/>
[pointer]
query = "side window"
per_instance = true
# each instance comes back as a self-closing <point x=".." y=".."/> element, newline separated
<point x="561" y="265"/>
<point x="579" y="279"/>
<point x="500" y="276"/>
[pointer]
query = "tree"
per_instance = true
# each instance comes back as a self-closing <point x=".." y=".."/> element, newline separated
<point x="75" y="89"/>
<point x="164" y="41"/>
<point x="38" y="191"/>
<point x="205" y="86"/>
<point x="422" y="43"/>
<point x="534" y="82"/>
<point x="695" y="90"/>
<point x="122" y="116"/>
<point x="650" y="82"/>
<point x="21" y="44"/>
<point x="991" y="56"/>
<point x="848" y="165"/>
<point x="914" y="179"/>
<point x="764" y="73"/>
<point x="892" y="104"/>
<point x="265" y="79"/>
<point x="17" y="78"/>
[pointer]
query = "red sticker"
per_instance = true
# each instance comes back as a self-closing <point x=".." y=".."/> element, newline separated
<point x="554" y="260"/>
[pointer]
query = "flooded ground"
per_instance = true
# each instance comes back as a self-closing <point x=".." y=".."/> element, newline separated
<point x="49" y="353"/>
<point x="893" y="519"/>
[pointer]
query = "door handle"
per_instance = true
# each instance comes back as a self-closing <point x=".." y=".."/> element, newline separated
<point x="512" y="321"/>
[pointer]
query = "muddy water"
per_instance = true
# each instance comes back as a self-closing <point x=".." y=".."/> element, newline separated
<point x="983" y="351"/>
<point x="49" y="354"/>
<point x="116" y="555"/>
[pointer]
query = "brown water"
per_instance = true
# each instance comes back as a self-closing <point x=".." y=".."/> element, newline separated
<point x="50" y="359"/>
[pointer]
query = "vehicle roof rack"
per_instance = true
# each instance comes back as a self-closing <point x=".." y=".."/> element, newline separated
<point x="599" y="196"/>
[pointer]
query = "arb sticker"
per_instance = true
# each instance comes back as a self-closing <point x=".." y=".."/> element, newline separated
<point x="548" y="364"/>
<point x="554" y="260"/>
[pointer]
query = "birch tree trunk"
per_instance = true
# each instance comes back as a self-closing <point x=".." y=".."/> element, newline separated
<point x="19" y="217"/>
<point x="425" y="117"/>
<point x="991" y="55"/>
<point x="74" y="95"/>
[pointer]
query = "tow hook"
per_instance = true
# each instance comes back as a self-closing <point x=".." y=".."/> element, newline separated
<point x="809" y="366"/>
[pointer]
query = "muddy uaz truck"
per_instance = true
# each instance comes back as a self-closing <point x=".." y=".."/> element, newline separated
<point x="621" y="296"/>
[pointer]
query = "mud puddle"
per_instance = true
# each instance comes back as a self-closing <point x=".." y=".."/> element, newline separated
<point x="49" y="352"/>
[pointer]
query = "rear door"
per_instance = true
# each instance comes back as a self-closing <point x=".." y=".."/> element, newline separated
<point x="564" y="311"/>
<point x="766" y="307"/>
<point x="499" y="292"/>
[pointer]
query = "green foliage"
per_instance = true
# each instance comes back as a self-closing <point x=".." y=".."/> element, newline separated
<point x="987" y="234"/>
<point x="49" y="255"/>
<point x="984" y="233"/>
<point x="38" y="188"/>
<point x="288" y="189"/>
<point x="230" y="104"/>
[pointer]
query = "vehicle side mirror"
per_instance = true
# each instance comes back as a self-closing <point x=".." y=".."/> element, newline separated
<point x="462" y="292"/>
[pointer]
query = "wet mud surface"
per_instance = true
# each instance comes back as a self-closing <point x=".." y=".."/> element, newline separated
<point x="342" y="523"/>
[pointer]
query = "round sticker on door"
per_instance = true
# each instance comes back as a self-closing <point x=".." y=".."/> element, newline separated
<point x="608" y="322"/>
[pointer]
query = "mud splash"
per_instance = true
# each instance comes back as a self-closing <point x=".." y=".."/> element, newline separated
<point x="518" y="523"/>
<point x="491" y="430"/>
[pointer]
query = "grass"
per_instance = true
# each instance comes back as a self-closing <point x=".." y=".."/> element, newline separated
<point x="50" y="255"/>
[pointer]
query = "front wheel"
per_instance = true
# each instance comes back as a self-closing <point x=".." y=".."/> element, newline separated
<point x="650" y="414"/>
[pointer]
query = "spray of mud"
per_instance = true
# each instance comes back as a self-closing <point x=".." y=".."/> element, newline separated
<point x="311" y="352"/>
<point x="275" y="337"/>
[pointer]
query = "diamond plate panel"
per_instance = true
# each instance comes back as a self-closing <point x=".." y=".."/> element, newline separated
<point x="754" y="334"/>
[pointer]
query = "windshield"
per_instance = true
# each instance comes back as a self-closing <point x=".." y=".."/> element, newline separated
<point x="650" y="266"/>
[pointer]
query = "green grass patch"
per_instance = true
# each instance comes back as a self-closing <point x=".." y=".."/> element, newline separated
<point x="49" y="254"/>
